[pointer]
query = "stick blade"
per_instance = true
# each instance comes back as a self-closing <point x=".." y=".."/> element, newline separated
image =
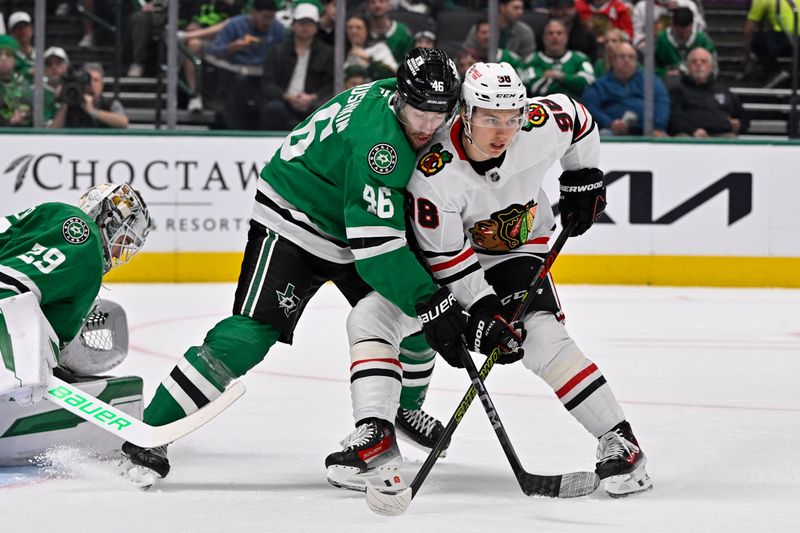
<point x="388" y="503"/>
<point x="572" y="485"/>
<point x="578" y="484"/>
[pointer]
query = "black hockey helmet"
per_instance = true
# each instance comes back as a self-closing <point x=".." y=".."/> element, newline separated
<point x="427" y="80"/>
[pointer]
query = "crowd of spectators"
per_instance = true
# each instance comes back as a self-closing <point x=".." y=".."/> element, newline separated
<point x="272" y="61"/>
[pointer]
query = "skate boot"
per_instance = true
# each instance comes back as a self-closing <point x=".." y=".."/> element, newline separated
<point x="370" y="455"/>
<point x="143" y="466"/>
<point x="620" y="462"/>
<point x="420" y="429"/>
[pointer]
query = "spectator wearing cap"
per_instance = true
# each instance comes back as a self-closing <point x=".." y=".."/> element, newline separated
<point x="375" y="57"/>
<point x="556" y="69"/>
<point x="674" y="43"/>
<point x="56" y="63"/>
<point x="616" y="100"/>
<point x="701" y="106"/>
<point x="382" y="27"/>
<point x="298" y="73"/>
<point x="661" y="17"/>
<point x="94" y="110"/>
<point x="425" y="39"/>
<point x="20" y="26"/>
<point x="16" y="93"/>
<point x="580" y="38"/>
<point x="515" y="35"/>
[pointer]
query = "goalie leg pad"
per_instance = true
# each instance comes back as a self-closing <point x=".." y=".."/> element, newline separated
<point x="28" y="346"/>
<point x="580" y="385"/>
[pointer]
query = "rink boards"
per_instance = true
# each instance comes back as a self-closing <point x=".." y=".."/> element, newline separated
<point x="679" y="213"/>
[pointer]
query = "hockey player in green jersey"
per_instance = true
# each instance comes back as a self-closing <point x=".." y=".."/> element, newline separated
<point x="329" y="207"/>
<point x="52" y="261"/>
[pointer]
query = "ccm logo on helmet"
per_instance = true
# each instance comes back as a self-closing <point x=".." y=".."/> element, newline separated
<point x="505" y="95"/>
<point x="581" y="188"/>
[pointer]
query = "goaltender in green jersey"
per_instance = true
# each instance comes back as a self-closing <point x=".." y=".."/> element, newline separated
<point x="52" y="260"/>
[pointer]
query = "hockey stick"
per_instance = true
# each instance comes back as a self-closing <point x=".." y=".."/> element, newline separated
<point x="387" y="502"/>
<point x="111" y="419"/>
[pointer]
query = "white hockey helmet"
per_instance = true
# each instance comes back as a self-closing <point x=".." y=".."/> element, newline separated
<point x="492" y="86"/>
<point x="122" y="217"/>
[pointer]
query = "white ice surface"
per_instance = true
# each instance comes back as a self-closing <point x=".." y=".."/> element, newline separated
<point x="707" y="377"/>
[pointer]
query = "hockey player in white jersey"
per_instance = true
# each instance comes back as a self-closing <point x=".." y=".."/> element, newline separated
<point x="482" y="222"/>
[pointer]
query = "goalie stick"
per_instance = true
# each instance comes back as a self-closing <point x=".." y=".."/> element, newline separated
<point x="393" y="502"/>
<point x="111" y="419"/>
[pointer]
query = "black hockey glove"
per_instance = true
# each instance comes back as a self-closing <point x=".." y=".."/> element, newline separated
<point x="488" y="330"/>
<point x="443" y="322"/>
<point x="583" y="196"/>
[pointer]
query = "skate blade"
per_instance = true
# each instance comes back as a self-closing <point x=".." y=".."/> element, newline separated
<point x="385" y="477"/>
<point x="139" y="476"/>
<point x="625" y="485"/>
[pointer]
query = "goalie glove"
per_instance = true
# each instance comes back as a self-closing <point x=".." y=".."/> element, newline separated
<point x="487" y="330"/>
<point x="583" y="197"/>
<point x="443" y="321"/>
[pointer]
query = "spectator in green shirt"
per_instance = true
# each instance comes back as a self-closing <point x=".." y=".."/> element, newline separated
<point x="16" y="93"/>
<point x="674" y="43"/>
<point x="383" y="28"/>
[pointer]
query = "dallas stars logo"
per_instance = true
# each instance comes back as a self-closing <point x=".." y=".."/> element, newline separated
<point x="382" y="158"/>
<point x="75" y="230"/>
<point x="287" y="300"/>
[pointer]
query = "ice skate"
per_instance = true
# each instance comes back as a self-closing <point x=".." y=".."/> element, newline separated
<point x="621" y="463"/>
<point x="144" y="466"/>
<point x="420" y="429"/>
<point x="370" y="455"/>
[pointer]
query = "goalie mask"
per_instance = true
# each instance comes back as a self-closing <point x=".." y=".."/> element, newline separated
<point x="122" y="217"/>
<point x="493" y="86"/>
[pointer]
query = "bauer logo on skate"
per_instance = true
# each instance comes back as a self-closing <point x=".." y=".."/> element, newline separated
<point x="97" y="411"/>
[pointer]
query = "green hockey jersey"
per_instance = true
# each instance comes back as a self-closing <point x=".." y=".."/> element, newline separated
<point x="576" y="67"/>
<point x="336" y="188"/>
<point x="54" y="251"/>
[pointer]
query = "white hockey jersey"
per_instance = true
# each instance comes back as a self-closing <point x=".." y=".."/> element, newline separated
<point x="465" y="222"/>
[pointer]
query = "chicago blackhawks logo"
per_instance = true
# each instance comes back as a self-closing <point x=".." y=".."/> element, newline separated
<point x="75" y="230"/>
<point x="382" y="158"/>
<point x="537" y="117"/>
<point x="506" y="229"/>
<point x="434" y="160"/>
